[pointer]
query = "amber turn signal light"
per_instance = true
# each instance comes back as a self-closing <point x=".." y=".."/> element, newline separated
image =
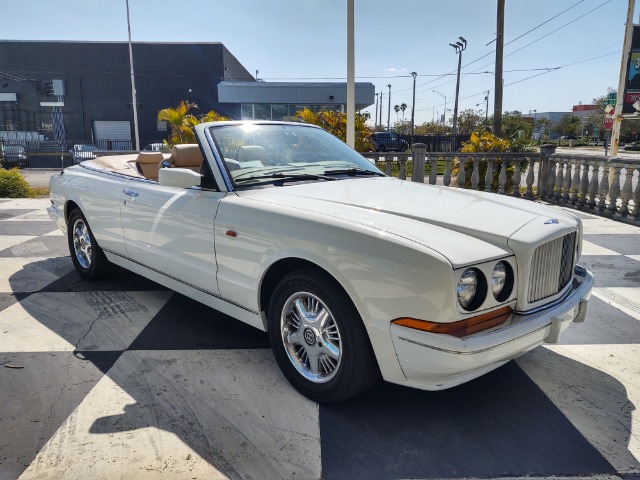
<point x="463" y="327"/>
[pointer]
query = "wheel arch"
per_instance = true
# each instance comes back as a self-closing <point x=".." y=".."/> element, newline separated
<point x="284" y="266"/>
<point x="69" y="206"/>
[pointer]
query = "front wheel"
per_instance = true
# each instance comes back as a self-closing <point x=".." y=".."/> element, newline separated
<point x="87" y="256"/>
<point x="318" y="338"/>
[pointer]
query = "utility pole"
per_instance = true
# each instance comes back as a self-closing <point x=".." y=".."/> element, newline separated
<point x="497" y="104"/>
<point x="381" y="95"/>
<point x="460" y="47"/>
<point x="413" y="107"/>
<point x="626" y="48"/>
<point x="375" y="124"/>
<point x="486" y="112"/>
<point x="351" y="86"/>
<point x="134" y="100"/>
<point x="389" y="112"/>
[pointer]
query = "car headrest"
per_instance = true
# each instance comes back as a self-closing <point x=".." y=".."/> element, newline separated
<point x="149" y="157"/>
<point x="251" y="153"/>
<point x="186" y="155"/>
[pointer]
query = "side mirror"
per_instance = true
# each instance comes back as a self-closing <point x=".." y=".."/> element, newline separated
<point x="178" y="177"/>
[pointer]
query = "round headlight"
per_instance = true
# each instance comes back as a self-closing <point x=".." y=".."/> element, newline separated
<point x="501" y="281"/>
<point x="471" y="289"/>
<point x="467" y="286"/>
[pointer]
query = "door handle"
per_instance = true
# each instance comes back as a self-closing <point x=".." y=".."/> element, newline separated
<point x="130" y="193"/>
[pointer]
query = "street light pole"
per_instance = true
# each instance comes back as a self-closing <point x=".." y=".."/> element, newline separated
<point x="444" y="115"/>
<point x="389" y="111"/>
<point x="381" y="96"/>
<point x="486" y="112"/>
<point x="413" y="107"/>
<point x="375" y="124"/>
<point x="459" y="47"/>
<point x="133" y="86"/>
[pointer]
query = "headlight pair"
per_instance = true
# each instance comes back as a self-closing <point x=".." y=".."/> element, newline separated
<point x="473" y="287"/>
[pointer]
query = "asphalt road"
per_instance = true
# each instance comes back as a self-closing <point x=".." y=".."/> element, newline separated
<point x="126" y="379"/>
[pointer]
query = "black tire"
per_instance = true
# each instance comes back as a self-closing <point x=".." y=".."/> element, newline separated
<point x="87" y="256"/>
<point x="381" y="148"/>
<point x="335" y="380"/>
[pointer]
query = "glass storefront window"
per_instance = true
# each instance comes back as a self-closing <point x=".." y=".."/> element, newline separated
<point x="247" y="111"/>
<point x="287" y="113"/>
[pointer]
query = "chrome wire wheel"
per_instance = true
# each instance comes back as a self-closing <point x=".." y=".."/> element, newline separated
<point x="311" y="337"/>
<point x="82" y="244"/>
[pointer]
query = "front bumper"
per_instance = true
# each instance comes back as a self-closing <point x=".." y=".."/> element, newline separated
<point x="433" y="361"/>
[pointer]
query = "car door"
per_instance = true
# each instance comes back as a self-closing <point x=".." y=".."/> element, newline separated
<point x="170" y="230"/>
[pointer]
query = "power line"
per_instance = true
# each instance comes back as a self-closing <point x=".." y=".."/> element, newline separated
<point x="520" y="36"/>
<point x="527" y="78"/>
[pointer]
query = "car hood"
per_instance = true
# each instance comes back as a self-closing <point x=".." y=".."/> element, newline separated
<point x="405" y="208"/>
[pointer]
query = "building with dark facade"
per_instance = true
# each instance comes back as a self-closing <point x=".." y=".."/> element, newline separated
<point x="87" y="86"/>
<point x="81" y="91"/>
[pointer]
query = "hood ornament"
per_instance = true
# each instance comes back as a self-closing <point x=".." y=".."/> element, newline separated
<point x="552" y="221"/>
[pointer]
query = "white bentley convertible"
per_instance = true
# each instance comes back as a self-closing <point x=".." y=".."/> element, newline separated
<point x="355" y="275"/>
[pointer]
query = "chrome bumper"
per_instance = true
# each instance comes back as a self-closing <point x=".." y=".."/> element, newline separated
<point x="435" y="361"/>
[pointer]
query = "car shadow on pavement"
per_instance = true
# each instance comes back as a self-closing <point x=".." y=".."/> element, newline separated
<point x="220" y="394"/>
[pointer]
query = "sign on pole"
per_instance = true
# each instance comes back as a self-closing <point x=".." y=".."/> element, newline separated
<point x="608" y="117"/>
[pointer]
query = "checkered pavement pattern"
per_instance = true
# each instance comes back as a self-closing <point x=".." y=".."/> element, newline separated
<point x="123" y="378"/>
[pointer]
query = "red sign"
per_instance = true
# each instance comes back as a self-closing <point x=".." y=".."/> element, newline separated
<point x="608" y="122"/>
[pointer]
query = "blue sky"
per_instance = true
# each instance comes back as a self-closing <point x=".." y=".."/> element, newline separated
<point x="306" y="40"/>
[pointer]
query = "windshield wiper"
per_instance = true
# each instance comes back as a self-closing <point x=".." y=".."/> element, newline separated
<point x="281" y="177"/>
<point x="353" y="172"/>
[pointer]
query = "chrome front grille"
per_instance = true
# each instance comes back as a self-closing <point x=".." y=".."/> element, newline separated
<point x="551" y="267"/>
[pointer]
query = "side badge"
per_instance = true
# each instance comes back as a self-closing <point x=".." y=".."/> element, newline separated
<point x="552" y="220"/>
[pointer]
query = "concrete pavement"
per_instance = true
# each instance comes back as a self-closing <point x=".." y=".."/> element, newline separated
<point x="125" y="379"/>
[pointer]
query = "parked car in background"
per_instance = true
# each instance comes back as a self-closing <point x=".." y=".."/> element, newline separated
<point x="633" y="146"/>
<point x="157" y="147"/>
<point x="80" y="153"/>
<point x="389" y="142"/>
<point x="13" y="156"/>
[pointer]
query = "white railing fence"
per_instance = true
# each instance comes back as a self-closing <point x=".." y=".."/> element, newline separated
<point x="596" y="184"/>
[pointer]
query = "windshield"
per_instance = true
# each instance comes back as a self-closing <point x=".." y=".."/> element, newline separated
<point x="263" y="154"/>
<point x="14" y="149"/>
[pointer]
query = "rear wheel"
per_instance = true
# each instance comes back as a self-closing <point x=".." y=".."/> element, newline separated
<point x="87" y="256"/>
<point x="318" y="338"/>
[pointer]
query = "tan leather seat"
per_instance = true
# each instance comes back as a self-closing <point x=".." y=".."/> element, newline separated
<point x="251" y="156"/>
<point x="148" y="164"/>
<point x="186" y="156"/>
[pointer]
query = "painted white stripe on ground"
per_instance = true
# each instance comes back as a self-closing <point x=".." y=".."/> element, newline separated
<point x="7" y="241"/>
<point x="626" y="299"/>
<point x="187" y="414"/>
<point x="589" y="248"/>
<point x="604" y="226"/>
<point x="31" y="203"/>
<point x="31" y="274"/>
<point x="94" y="321"/>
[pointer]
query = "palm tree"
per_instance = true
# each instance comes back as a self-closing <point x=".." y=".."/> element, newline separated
<point x="403" y="107"/>
<point x="397" y="109"/>
<point x="182" y="122"/>
<point x="178" y="119"/>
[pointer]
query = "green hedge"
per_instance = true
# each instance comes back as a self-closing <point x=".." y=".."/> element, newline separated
<point x="13" y="185"/>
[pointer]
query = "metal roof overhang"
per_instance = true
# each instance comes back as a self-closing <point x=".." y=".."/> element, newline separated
<point x="294" y="93"/>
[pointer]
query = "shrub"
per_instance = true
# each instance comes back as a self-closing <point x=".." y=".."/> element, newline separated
<point x="489" y="143"/>
<point x="13" y="185"/>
